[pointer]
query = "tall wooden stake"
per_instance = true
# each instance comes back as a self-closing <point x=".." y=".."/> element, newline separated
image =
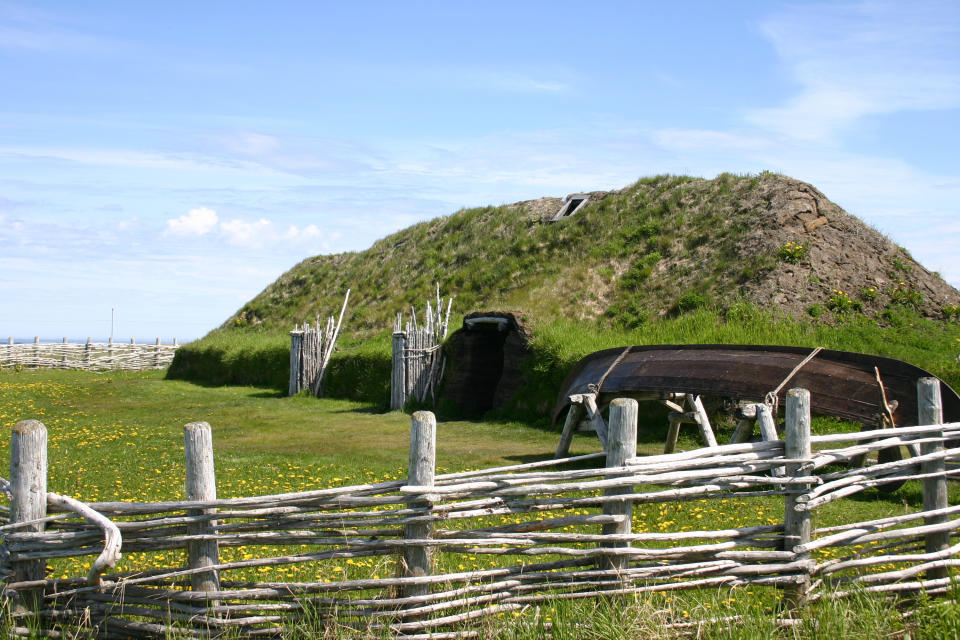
<point x="423" y="458"/>
<point x="201" y="485"/>
<point x="796" y="524"/>
<point x="930" y="411"/>
<point x="621" y="446"/>
<point x="28" y="496"/>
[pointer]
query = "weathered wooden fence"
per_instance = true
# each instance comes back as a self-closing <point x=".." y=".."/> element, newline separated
<point x="92" y="356"/>
<point x="547" y="533"/>
<point x="418" y="363"/>
<point x="310" y="352"/>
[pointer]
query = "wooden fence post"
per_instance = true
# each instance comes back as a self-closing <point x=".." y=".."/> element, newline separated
<point x="296" y="370"/>
<point x="28" y="496"/>
<point x="201" y="485"/>
<point x="156" y="356"/>
<point x="86" y="353"/>
<point x="796" y="524"/>
<point x="423" y="458"/>
<point x="930" y="411"/>
<point x="621" y="446"/>
<point x="110" y="353"/>
<point x="398" y="374"/>
<point x="63" y="358"/>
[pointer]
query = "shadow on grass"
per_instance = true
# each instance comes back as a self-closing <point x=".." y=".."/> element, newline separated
<point x="910" y="494"/>
<point x="266" y="394"/>
<point x="366" y="410"/>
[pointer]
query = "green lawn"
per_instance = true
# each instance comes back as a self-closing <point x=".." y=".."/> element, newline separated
<point x="119" y="436"/>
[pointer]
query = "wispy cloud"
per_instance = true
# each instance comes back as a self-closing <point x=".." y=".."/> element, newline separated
<point x="196" y="222"/>
<point x="856" y="60"/>
<point x="138" y="159"/>
<point x="698" y="139"/>
<point x="239" y="232"/>
<point x="255" y="234"/>
<point x="38" y="31"/>
<point x="508" y="81"/>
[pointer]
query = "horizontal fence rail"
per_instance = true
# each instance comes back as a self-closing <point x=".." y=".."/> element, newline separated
<point x="538" y="532"/>
<point x="90" y="356"/>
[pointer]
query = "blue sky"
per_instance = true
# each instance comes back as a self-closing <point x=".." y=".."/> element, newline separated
<point x="169" y="160"/>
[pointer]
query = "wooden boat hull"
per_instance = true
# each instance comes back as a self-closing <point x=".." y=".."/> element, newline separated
<point x="841" y="384"/>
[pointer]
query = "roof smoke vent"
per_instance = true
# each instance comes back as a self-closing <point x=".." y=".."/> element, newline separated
<point x="571" y="204"/>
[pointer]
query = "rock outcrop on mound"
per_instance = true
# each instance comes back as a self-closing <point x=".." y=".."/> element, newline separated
<point x="841" y="259"/>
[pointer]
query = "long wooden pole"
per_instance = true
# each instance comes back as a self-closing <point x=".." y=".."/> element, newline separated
<point x="328" y="348"/>
<point x="621" y="446"/>
<point x="796" y="524"/>
<point x="930" y="411"/>
<point x="423" y="458"/>
<point x="398" y="376"/>
<point x="28" y="497"/>
<point x="296" y="364"/>
<point x="201" y="485"/>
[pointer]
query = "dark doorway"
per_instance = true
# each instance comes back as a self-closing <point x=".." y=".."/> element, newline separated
<point x="485" y="357"/>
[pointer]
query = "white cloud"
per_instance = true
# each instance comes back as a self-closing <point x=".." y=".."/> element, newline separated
<point x="309" y="231"/>
<point x="243" y="233"/>
<point x="696" y="139"/>
<point x="129" y="159"/>
<point x="251" y="143"/>
<point x="196" y="223"/>
<point x="240" y="232"/>
<point x="857" y="60"/>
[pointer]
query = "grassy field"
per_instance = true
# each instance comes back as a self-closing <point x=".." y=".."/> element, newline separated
<point x="119" y="436"/>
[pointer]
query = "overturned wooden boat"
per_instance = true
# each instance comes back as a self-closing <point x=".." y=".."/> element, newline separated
<point x="852" y="386"/>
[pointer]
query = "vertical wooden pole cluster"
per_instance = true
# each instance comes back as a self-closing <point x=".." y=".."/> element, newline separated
<point x="201" y="485"/>
<point x="621" y="446"/>
<point x="796" y="524"/>
<point x="423" y="458"/>
<point x="930" y="411"/>
<point x="310" y="351"/>
<point x="28" y="488"/>
<point x="306" y="353"/>
<point x="417" y="362"/>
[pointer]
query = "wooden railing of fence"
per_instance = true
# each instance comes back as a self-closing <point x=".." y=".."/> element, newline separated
<point x="91" y="356"/>
<point x="517" y="517"/>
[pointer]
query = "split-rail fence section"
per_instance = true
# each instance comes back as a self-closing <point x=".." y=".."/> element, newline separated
<point x="555" y="529"/>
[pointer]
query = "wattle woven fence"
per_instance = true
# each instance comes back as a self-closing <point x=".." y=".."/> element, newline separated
<point x="90" y="356"/>
<point x="385" y="557"/>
